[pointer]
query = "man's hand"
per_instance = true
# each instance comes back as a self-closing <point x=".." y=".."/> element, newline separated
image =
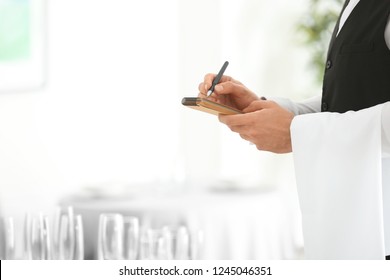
<point x="228" y="92"/>
<point x="265" y="124"/>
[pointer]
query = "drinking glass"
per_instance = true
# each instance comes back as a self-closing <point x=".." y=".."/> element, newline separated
<point x="130" y="238"/>
<point x="111" y="236"/>
<point x="39" y="239"/>
<point x="157" y="244"/>
<point x="79" y="238"/>
<point x="99" y="249"/>
<point x="27" y="247"/>
<point x="2" y="240"/>
<point x="56" y="232"/>
<point x="196" y="244"/>
<point x="165" y="244"/>
<point x="182" y="244"/>
<point x="146" y="244"/>
<point x="7" y="239"/>
<point x="66" y="235"/>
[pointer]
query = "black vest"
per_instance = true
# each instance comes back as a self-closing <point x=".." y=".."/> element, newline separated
<point x="357" y="71"/>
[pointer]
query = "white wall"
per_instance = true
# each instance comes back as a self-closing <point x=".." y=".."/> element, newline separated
<point x="111" y="64"/>
<point x="110" y="111"/>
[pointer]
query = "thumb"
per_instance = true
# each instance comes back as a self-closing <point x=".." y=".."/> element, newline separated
<point x="259" y="105"/>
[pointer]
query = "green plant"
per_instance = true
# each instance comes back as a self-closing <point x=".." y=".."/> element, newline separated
<point x="316" y="28"/>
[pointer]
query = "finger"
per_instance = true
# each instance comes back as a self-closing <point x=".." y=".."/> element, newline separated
<point x="234" y="120"/>
<point x="230" y="87"/>
<point x="209" y="78"/>
<point x="201" y="88"/>
<point x="203" y="92"/>
<point x="240" y="129"/>
<point x="213" y="98"/>
<point x="202" y="95"/>
<point x="245" y="137"/>
<point x="207" y="81"/>
<point x="260" y="147"/>
<point x="255" y="106"/>
<point x="259" y="105"/>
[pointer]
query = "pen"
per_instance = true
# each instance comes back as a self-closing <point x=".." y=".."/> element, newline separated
<point x="217" y="78"/>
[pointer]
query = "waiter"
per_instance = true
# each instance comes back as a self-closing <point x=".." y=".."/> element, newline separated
<point x="340" y="140"/>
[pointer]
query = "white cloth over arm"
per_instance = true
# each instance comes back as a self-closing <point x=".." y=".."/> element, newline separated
<point x="313" y="105"/>
<point x="338" y="166"/>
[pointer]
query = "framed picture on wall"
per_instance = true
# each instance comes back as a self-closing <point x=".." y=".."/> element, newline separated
<point x="22" y="44"/>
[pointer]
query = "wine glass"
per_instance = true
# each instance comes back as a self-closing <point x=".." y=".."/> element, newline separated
<point x="130" y="238"/>
<point x="111" y="236"/>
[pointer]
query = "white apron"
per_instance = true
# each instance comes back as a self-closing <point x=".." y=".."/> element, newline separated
<point x="338" y="165"/>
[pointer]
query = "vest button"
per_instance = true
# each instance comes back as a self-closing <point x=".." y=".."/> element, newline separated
<point x="324" y="106"/>
<point x="328" y="64"/>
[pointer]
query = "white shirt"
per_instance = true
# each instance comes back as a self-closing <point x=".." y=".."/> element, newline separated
<point x="351" y="5"/>
<point x="313" y="104"/>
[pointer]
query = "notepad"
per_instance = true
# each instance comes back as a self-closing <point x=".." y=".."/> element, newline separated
<point x="208" y="106"/>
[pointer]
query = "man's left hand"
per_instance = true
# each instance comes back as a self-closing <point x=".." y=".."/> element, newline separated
<point x="265" y="124"/>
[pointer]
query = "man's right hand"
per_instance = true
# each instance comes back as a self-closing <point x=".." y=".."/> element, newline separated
<point x="229" y="92"/>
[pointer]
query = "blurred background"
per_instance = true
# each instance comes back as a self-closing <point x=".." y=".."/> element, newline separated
<point x="91" y="114"/>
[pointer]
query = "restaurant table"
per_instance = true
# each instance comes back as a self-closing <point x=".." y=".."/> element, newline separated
<point x="241" y="225"/>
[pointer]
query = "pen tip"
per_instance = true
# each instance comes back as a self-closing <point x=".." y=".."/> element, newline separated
<point x="209" y="93"/>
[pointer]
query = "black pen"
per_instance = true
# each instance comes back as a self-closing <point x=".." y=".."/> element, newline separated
<point x="217" y="78"/>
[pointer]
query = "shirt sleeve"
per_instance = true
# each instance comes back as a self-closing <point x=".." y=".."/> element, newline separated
<point x="386" y="108"/>
<point x="311" y="105"/>
<point x="386" y="130"/>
